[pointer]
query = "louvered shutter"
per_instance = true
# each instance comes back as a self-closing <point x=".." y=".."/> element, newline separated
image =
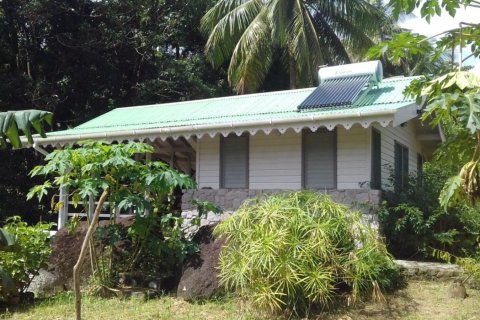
<point x="234" y="162"/>
<point x="401" y="166"/>
<point x="319" y="160"/>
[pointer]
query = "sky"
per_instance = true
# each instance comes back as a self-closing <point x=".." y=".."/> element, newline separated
<point x="443" y="23"/>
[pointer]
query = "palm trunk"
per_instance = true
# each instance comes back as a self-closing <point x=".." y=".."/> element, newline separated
<point x="83" y="252"/>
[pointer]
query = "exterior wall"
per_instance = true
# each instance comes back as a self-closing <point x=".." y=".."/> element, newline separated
<point x="353" y="157"/>
<point x="405" y="135"/>
<point x="275" y="160"/>
<point x="208" y="162"/>
<point x="229" y="200"/>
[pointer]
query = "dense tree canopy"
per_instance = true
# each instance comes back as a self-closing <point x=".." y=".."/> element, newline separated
<point x="78" y="59"/>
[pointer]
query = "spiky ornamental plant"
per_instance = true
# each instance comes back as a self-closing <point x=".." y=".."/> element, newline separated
<point x="299" y="250"/>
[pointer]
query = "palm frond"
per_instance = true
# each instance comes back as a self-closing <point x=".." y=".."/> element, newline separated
<point x="252" y="56"/>
<point x="331" y="47"/>
<point x="305" y="47"/>
<point x="279" y="17"/>
<point x="226" y="28"/>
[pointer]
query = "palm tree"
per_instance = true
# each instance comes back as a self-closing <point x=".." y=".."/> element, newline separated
<point x="304" y="34"/>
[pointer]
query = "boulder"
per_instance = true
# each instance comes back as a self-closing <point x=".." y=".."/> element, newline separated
<point x="199" y="278"/>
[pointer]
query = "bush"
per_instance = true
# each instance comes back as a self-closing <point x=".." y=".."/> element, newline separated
<point x="414" y="223"/>
<point x="29" y="254"/>
<point x="299" y="250"/>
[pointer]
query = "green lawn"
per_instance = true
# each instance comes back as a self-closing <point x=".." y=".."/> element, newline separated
<point x="420" y="300"/>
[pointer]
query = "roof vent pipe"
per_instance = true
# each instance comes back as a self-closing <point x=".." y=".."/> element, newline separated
<point x="369" y="68"/>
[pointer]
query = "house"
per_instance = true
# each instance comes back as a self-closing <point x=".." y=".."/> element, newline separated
<point x="344" y="137"/>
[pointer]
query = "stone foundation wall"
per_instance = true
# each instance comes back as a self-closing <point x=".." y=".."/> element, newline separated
<point x="432" y="271"/>
<point x="230" y="200"/>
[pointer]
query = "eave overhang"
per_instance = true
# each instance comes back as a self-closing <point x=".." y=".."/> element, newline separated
<point x="312" y="121"/>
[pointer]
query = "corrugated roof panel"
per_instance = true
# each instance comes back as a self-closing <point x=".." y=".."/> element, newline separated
<point x="387" y="95"/>
<point x="336" y="92"/>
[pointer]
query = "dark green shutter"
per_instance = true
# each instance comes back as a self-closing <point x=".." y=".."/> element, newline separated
<point x="376" y="178"/>
<point x="401" y="167"/>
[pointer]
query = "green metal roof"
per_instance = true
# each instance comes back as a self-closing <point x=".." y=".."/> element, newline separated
<point x="237" y="111"/>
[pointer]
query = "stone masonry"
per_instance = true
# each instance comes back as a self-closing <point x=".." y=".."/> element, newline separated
<point x="230" y="200"/>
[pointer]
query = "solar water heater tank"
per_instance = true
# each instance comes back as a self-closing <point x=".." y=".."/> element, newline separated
<point x="372" y="68"/>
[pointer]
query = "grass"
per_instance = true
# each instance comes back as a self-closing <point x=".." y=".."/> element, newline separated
<point x="419" y="300"/>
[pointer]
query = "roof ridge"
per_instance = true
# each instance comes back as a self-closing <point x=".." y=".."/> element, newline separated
<point x="240" y="96"/>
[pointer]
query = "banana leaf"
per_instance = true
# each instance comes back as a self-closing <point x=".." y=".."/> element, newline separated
<point x="11" y="122"/>
<point x="7" y="240"/>
<point x="7" y="286"/>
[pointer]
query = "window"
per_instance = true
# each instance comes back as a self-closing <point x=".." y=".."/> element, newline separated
<point x="376" y="170"/>
<point x="234" y="162"/>
<point x="319" y="159"/>
<point x="401" y="166"/>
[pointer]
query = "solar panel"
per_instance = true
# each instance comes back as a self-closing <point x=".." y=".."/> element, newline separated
<point x="335" y="92"/>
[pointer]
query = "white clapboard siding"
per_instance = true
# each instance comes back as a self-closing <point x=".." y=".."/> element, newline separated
<point x="276" y="160"/>
<point x="208" y="162"/>
<point x="234" y="162"/>
<point x="405" y="135"/>
<point x="319" y="152"/>
<point x="353" y="157"/>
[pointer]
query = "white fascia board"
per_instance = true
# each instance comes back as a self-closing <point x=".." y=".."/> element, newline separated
<point x="384" y="117"/>
<point x="404" y="114"/>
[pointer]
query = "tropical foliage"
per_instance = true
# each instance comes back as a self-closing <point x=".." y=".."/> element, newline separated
<point x="24" y="250"/>
<point x="13" y="121"/>
<point x="414" y="224"/>
<point x="410" y="54"/>
<point x="300" y="250"/>
<point x="109" y="172"/>
<point x="144" y="188"/>
<point x="452" y="100"/>
<point x="7" y="286"/>
<point x="29" y="253"/>
<point x="80" y="59"/>
<point x="251" y="34"/>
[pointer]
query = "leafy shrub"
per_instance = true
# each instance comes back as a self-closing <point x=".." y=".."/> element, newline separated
<point x="298" y="250"/>
<point x="29" y="254"/>
<point x="414" y="223"/>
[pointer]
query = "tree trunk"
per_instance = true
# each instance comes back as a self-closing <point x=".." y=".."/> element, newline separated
<point x="292" y="71"/>
<point x="83" y="252"/>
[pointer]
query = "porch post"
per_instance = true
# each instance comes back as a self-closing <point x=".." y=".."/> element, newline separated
<point x="148" y="158"/>
<point x="63" y="212"/>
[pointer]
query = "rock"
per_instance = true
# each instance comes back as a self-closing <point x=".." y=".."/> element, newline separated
<point x="199" y="279"/>
<point x="457" y="291"/>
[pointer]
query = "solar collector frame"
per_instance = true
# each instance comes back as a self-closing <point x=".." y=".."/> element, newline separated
<point x="335" y="92"/>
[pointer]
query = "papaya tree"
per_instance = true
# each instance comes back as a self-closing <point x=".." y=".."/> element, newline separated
<point x="451" y="96"/>
<point x="109" y="172"/>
